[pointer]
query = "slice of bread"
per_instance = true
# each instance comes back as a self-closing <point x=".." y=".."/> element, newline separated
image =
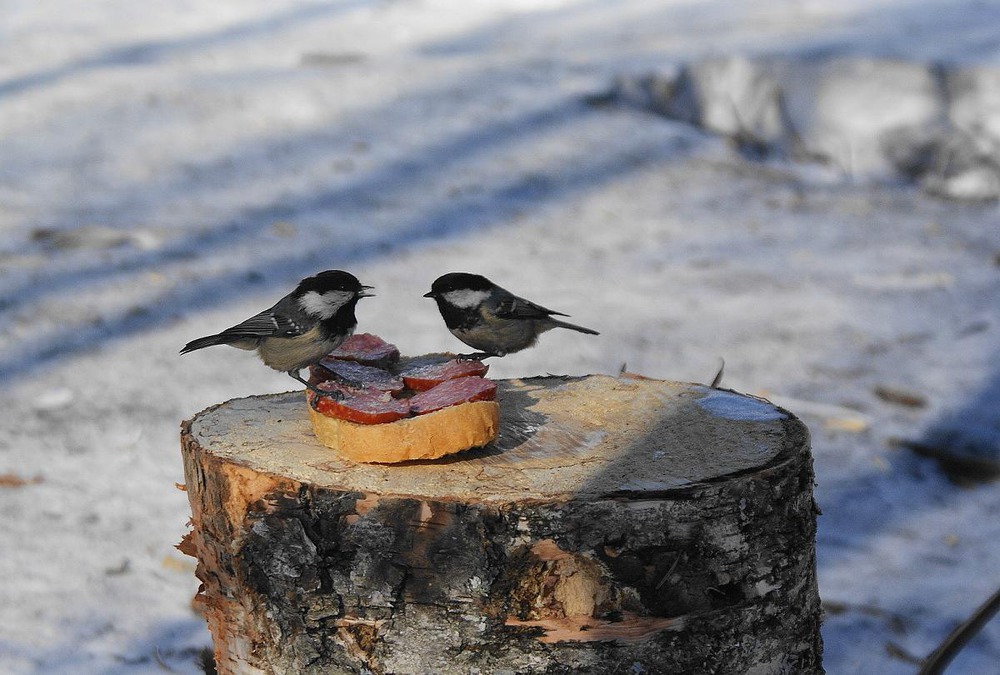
<point x="442" y="432"/>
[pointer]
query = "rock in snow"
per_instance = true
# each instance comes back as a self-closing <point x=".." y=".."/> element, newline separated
<point x="874" y="119"/>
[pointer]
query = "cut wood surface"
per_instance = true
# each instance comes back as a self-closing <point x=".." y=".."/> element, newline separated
<point x="615" y="525"/>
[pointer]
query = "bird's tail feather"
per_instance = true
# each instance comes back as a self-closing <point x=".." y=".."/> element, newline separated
<point x="208" y="341"/>
<point x="573" y="326"/>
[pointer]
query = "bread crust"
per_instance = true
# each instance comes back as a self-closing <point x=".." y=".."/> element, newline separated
<point x="442" y="432"/>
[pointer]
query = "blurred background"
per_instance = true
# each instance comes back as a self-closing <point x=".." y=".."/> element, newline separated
<point x="807" y="189"/>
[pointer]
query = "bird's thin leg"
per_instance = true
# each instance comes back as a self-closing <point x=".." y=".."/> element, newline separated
<point x="311" y="387"/>
<point x="475" y="356"/>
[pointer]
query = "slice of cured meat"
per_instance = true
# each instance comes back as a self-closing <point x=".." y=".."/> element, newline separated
<point x="453" y="392"/>
<point x="424" y="374"/>
<point x="352" y="372"/>
<point x="368" y="349"/>
<point x="363" y="406"/>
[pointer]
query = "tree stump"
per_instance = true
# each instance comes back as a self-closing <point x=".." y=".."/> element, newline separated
<point x="617" y="525"/>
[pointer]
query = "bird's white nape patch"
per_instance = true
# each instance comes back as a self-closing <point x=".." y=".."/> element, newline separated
<point x="465" y="298"/>
<point x="324" y="305"/>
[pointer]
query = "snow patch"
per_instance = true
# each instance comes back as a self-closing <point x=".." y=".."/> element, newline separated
<point x="738" y="407"/>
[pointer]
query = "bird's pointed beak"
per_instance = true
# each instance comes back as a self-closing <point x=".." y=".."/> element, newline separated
<point x="362" y="293"/>
<point x="429" y="294"/>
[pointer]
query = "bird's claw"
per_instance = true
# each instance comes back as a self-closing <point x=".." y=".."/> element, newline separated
<point x="335" y="395"/>
<point x="320" y="393"/>
<point x="476" y="356"/>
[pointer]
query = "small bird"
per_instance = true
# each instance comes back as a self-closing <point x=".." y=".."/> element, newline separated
<point x="489" y="318"/>
<point x="301" y="328"/>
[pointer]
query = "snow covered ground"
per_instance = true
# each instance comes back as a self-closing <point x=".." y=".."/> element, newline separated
<point x="168" y="169"/>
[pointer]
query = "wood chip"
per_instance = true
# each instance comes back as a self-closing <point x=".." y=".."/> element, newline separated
<point x="900" y="396"/>
<point x="12" y="480"/>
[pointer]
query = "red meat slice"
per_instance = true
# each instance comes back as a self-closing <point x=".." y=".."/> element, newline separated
<point x="368" y="349"/>
<point x="363" y="406"/>
<point x="453" y="392"/>
<point x="424" y="374"/>
<point x="351" y="371"/>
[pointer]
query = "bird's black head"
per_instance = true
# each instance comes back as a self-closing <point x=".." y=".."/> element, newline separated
<point x="323" y="295"/>
<point x="458" y="281"/>
<point x="331" y="280"/>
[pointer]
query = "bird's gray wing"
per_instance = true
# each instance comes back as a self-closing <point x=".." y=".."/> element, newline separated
<point x="512" y="307"/>
<point x="282" y="320"/>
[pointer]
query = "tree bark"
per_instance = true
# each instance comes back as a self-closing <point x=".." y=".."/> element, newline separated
<point x="617" y="525"/>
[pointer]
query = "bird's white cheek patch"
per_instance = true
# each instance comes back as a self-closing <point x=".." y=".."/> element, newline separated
<point x="326" y="305"/>
<point x="466" y="298"/>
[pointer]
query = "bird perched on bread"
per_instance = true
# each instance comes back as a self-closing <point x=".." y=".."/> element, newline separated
<point x="301" y="328"/>
<point x="490" y="318"/>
